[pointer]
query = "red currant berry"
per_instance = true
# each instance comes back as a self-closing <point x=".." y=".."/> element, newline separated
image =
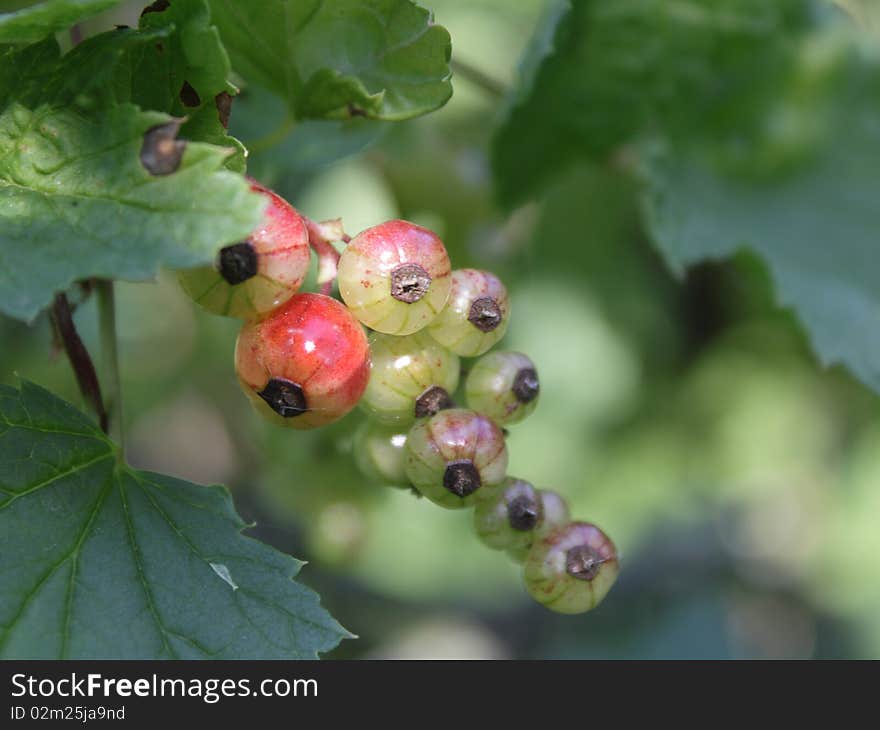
<point x="504" y="386"/>
<point x="453" y="454"/>
<point x="306" y="364"/>
<point x="410" y="377"/>
<point x="572" y="568"/>
<point x="395" y="277"/>
<point x="251" y="278"/>
<point x="476" y="316"/>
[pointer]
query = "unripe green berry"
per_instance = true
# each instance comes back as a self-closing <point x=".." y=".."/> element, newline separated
<point x="504" y="386"/>
<point x="507" y="520"/>
<point x="410" y="377"/>
<point x="572" y="568"/>
<point x="554" y="514"/>
<point x="454" y="454"/>
<point x="476" y="316"/>
<point x="380" y="453"/>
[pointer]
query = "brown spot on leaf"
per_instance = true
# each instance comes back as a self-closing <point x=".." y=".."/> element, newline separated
<point x="223" y="100"/>
<point x="161" y="151"/>
<point x="156" y="7"/>
<point x="189" y="96"/>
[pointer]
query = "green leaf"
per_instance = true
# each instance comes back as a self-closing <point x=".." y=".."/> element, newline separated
<point x="187" y="74"/>
<point x="622" y="68"/>
<point x="173" y="63"/>
<point x="193" y="55"/>
<point x="76" y="201"/>
<point x="382" y="59"/>
<point x="817" y="227"/>
<point x="38" y="21"/>
<point x="102" y="561"/>
<point x="76" y="198"/>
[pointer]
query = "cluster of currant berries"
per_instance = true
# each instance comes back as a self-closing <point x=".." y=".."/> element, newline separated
<point x="304" y="360"/>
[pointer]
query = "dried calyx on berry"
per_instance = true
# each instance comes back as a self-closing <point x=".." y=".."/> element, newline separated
<point x="504" y="386"/>
<point x="409" y="283"/>
<point x="238" y="263"/>
<point x="454" y="454"/>
<point x="284" y="397"/>
<point x="433" y="400"/>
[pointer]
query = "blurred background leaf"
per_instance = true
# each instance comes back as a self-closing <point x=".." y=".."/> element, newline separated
<point x="381" y="59"/>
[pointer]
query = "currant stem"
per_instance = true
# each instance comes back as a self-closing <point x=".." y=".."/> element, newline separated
<point x="320" y="235"/>
<point x="110" y="355"/>
<point x="478" y="77"/>
<point x="78" y="355"/>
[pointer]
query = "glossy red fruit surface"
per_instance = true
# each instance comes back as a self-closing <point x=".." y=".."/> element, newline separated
<point x="305" y="365"/>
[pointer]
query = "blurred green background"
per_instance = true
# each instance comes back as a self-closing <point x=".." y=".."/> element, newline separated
<point x="740" y="482"/>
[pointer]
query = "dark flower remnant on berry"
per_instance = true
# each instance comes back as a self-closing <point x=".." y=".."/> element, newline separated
<point x="523" y="513"/>
<point x="238" y="262"/>
<point x="433" y="400"/>
<point x="582" y="562"/>
<point x="409" y="283"/>
<point x="284" y="397"/>
<point x="485" y="314"/>
<point x="526" y="385"/>
<point x="462" y="478"/>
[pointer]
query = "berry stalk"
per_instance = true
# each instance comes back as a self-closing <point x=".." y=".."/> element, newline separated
<point x="78" y="356"/>
<point x="320" y="235"/>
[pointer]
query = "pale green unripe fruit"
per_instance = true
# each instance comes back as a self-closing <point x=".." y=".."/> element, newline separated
<point x="410" y="377"/>
<point x="504" y="386"/>
<point x="453" y="455"/>
<point x="572" y="568"/>
<point x="554" y="514"/>
<point x="380" y="453"/>
<point x="507" y="520"/>
<point x="475" y="317"/>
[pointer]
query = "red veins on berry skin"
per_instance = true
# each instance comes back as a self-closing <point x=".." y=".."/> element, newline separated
<point x="395" y="277"/>
<point x="305" y="365"/>
<point x="572" y="568"/>
<point x="454" y="454"/>
<point x="252" y="277"/>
